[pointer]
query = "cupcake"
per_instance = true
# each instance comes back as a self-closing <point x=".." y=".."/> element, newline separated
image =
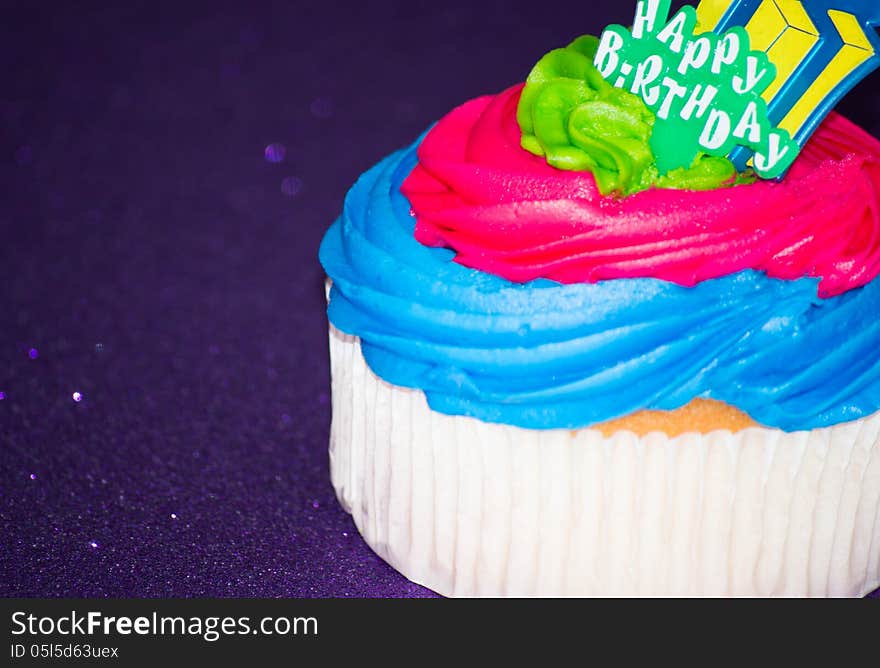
<point x="560" y="369"/>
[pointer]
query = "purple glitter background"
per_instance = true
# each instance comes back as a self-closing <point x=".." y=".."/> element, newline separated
<point x="168" y="171"/>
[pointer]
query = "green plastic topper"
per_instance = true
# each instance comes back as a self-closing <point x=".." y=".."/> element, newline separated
<point x="654" y="106"/>
<point x="705" y="90"/>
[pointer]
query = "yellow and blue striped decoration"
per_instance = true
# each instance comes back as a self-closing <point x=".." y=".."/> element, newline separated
<point x="821" y="49"/>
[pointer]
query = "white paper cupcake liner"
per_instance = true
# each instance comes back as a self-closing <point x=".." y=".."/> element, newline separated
<point x="468" y="508"/>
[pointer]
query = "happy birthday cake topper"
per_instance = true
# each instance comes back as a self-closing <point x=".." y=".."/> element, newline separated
<point x="748" y="79"/>
<point x="821" y="50"/>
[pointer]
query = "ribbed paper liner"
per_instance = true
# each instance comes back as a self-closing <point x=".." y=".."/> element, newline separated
<point x="468" y="508"/>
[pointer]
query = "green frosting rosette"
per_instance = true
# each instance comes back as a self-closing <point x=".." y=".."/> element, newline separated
<point x="579" y="122"/>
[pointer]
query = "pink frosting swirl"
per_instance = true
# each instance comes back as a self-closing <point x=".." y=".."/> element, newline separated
<point x="507" y="212"/>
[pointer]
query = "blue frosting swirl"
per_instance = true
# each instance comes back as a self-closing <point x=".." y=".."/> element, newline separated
<point x="544" y="355"/>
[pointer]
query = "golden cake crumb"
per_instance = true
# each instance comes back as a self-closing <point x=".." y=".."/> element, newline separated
<point x="700" y="415"/>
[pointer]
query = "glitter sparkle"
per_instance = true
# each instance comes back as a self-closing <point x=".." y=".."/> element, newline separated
<point x="291" y="186"/>
<point x="275" y="153"/>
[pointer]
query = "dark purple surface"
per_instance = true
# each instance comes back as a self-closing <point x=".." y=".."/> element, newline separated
<point x="159" y="260"/>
